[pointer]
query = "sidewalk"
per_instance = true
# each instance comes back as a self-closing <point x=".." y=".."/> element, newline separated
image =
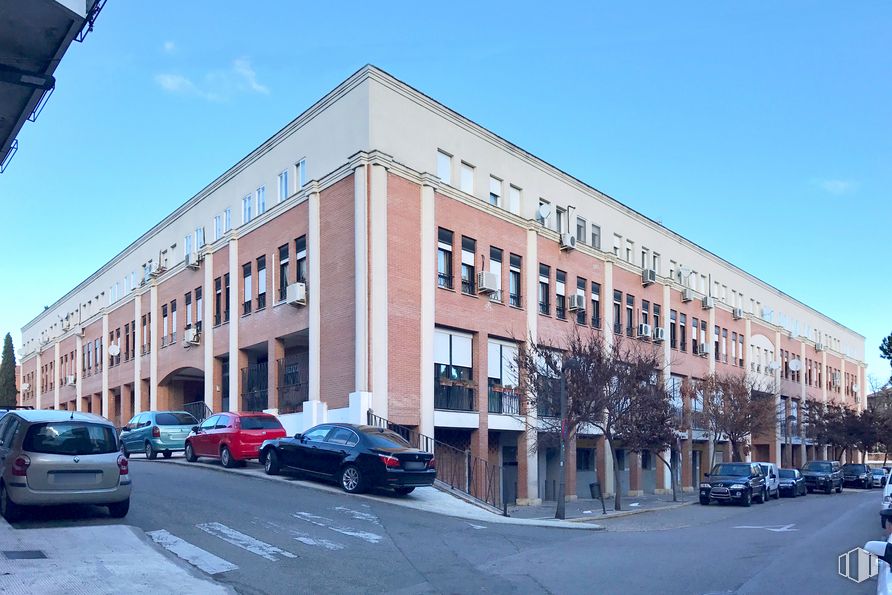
<point x="109" y="559"/>
<point x="587" y="510"/>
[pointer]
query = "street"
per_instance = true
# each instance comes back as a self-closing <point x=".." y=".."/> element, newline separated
<point x="261" y="536"/>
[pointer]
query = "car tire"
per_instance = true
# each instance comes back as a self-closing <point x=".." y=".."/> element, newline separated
<point x="150" y="452"/>
<point x="271" y="462"/>
<point x="226" y="458"/>
<point x="404" y="491"/>
<point x="167" y="454"/>
<point x="351" y="479"/>
<point x="777" y="494"/>
<point x="190" y="453"/>
<point x="8" y="509"/>
<point x="119" y="510"/>
<point x="839" y="489"/>
<point x="704" y="501"/>
<point x="829" y="489"/>
<point x="124" y="451"/>
<point x="747" y="499"/>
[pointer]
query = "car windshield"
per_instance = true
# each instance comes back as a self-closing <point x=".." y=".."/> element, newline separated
<point x="854" y="468"/>
<point x="175" y="418"/>
<point x="787" y="474"/>
<point x="817" y="467"/>
<point x="878" y="472"/>
<point x="71" y="438"/>
<point x="386" y="439"/>
<point x="733" y="470"/>
<point x="260" y="423"/>
<point x="764" y="468"/>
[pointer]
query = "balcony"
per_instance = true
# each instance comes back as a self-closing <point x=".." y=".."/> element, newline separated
<point x="254" y="385"/>
<point x="503" y="400"/>
<point x="293" y="386"/>
<point x="454" y="395"/>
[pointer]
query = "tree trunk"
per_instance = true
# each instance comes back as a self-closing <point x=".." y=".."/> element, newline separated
<point x="617" y="484"/>
<point x="735" y="452"/>
<point x="670" y="466"/>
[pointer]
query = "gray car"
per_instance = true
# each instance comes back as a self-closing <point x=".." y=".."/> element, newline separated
<point x="60" y="457"/>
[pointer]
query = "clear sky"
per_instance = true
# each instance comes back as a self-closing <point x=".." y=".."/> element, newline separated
<point x="762" y="133"/>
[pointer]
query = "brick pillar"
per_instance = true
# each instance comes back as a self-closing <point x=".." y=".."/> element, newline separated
<point x="145" y="398"/>
<point x="162" y="397"/>
<point x="687" y="481"/>
<point x="112" y="409"/>
<point x="635" y="483"/>
<point x="275" y="351"/>
<point x="571" y="469"/>
<point x="217" y="380"/>
<point x="236" y="399"/>
<point x="523" y="494"/>
<point x="96" y="403"/>
<point x="126" y="403"/>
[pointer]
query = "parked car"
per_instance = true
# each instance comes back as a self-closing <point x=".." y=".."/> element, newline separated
<point x="822" y="475"/>
<point x="858" y="475"/>
<point x="357" y="457"/>
<point x="887" y="496"/>
<point x="791" y="482"/>
<point x="879" y="476"/>
<point x="734" y="482"/>
<point x="232" y="437"/>
<point x="152" y="432"/>
<point x="772" y="478"/>
<point x="60" y="457"/>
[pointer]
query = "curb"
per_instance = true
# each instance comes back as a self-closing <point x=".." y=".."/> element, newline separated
<point x="290" y="480"/>
<point x="625" y="513"/>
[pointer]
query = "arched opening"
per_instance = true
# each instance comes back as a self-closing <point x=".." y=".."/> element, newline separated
<point x="180" y="388"/>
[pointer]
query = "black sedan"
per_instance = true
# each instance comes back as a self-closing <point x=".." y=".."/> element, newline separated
<point x="792" y="483"/>
<point x="357" y="457"/>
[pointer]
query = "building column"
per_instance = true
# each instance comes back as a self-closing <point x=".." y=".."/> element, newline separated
<point x="361" y="278"/>
<point x="106" y="365"/>
<point x="236" y="358"/>
<point x="38" y="381"/>
<point x="78" y="369"/>
<point x="710" y="329"/>
<point x="154" y="336"/>
<point x="428" y="303"/>
<point x="211" y="379"/>
<point x="137" y="355"/>
<point x="635" y="479"/>
<point x="127" y="403"/>
<point x="57" y="375"/>
<point x="275" y="351"/>
<point x="378" y="279"/>
<point x="528" y="451"/>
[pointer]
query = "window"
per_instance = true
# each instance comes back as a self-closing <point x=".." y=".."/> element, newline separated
<point x="715" y="342"/>
<point x="300" y="257"/>
<point x="218" y="298"/>
<point x="495" y="191"/>
<point x="502" y="378"/>
<point x="444" y="258"/>
<point x="246" y="279"/>
<point x="702" y="331"/>
<point x="617" y="312"/>
<point x="673" y="329"/>
<point x="560" y="295"/>
<point x="617" y="243"/>
<point x="733" y="349"/>
<point x="444" y="167"/>
<point x="596" y="236"/>
<point x="682" y="332"/>
<point x="596" y="305"/>
<point x="514" y="199"/>
<point x="187" y="247"/>
<point x="495" y="267"/>
<point x="655" y="262"/>
<point x="261" y="283"/>
<point x="173" y="321"/>
<point x="630" y="314"/>
<point x="301" y="171"/>
<point x="645" y="258"/>
<point x="261" y="200"/>
<point x="581" y="226"/>
<point x="560" y="220"/>
<point x="246" y="208"/>
<point x="544" y="207"/>
<point x="198" y="306"/>
<point x="740" y="350"/>
<point x="187" y="301"/>
<point x="468" y="256"/>
<point x="630" y="251"/>
<point x="467" y="178"/>
<point x="453" y="371"/>
<point x="145" y="321"/>
<point x="645" y="312"/>
<point x="164" y="327"/>
<point x="283" y="185"/>
<point x="199" y="237"/>
<point x="657" y="313"/>
<point x="580" y="291"/>
<point x="218" y="227"/>
<point x="695" y="348"/>
<point x="514" y="281"/>
<point x="544" y="290"/>
<point x="227" y="220"/>
<point x="725" y="345"/>
<point x="226" y="297"/>
<point x="283" y="271"/>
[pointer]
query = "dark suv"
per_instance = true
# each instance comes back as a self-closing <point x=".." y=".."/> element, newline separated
<point x="857" y="474"/>
<point x="822" y="475"/>
<point x="734" y="482"/>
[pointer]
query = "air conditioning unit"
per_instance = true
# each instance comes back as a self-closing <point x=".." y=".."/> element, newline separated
<point x="703" y="350"/>
<point x="687" y="294"/>
<point x="66" y="325"/>
<point x="26" y="387"/>
<point x="819" y="347"/>
<point x="753" y="366"/>
<point x="659" y="334"/>
<point x="487" y="282"/>
<point x="644" y="331"/>
<point x="296" y="294"/>
<point x="856" y="387"/>
<point x="191" y="337"/>
<point x="737" y="313"/>
<point x="648" y="277"/>
<point x="577" y="302"/>
<point x="70" y="380"/>
<point x="193" y="261"/>
<point x="708" y="302"/>
<point x="568" y="241"/>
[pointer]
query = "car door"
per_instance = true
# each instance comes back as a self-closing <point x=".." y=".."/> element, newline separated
<point x="200" y="439"/>
<point x="310" y="452"/>
<point x="338" y="445"/>
<point x="6" y="424"/>
<point x="221" y="434"/>
<point x="126" y="434"/>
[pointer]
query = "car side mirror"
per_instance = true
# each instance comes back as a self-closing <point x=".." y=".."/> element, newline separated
<point x="299" y="436"/>
<point x="706" y="475"/>
<point x="125" y="429"/>
<point x="195" y="429"/>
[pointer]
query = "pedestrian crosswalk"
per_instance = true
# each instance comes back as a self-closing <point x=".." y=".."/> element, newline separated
<point x="339" y="529"/>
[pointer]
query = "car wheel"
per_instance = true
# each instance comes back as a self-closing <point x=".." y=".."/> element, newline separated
<point x="124" y="451"/>
<point x="9" y="510"/>
<point x="808" y="490"/>
<point x="150" y="452"/>
<point x="404" y="491"/>
<point x="351" y="479"/>
<point x="167" y="454"/>
<point x="190" y="454"/>
<point x="777" y="494"/>
<point x="829" y="489"/>
<point x="271" y="462"/>
<point x="747" y="499"/>
<point x="226" y="458"/>
<point x="119" y="510"/>
<point x="839" y="489"/>
<point x="704" y="501"/>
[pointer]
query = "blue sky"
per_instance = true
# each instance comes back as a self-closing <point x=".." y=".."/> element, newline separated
<point x="764" y="135"/>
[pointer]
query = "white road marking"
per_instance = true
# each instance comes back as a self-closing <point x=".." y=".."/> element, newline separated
<point x="304" y="538"/>
<point x="635" y="504"/>
<point x="773" y="528"/>
<point x="329" y="524"/>
<point x="194" y="555"/>
<point x="359" y="516"/>
<point x="246" y="542"/>
<point x="477" y="526"/>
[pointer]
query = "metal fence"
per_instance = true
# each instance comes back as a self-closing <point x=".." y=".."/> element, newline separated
<point x="198" y="410"/>
<point x="255" y="380"/>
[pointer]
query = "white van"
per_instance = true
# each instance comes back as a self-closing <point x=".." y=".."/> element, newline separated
<point x="772" y="478"/>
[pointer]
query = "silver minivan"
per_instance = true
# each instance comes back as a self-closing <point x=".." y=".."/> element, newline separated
<point x="61" y="457"/>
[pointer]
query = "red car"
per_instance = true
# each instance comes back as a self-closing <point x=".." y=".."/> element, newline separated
<point x="232" y="437"/>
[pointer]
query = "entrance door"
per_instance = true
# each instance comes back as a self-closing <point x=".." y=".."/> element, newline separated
<point x="695" y="468"/>
<point x="509" y="474"/>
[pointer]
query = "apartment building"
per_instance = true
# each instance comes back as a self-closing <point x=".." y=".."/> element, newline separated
<point x="382" y="252"/>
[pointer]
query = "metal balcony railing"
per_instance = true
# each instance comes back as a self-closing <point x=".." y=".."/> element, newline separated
<point x="504" y="400"/>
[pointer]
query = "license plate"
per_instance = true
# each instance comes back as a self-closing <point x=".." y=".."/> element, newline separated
<point x="89" y="478"/>
<point x="414" y="465"/>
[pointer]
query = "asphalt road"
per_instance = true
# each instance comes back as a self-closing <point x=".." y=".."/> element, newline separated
<point x="260" y="536"/>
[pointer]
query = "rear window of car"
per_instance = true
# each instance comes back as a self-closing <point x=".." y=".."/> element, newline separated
<point x="386" y="439"/>
<point x="261" y="423"/>
<point x="787" y="473"/>
<point x="175" y="419"/>
<point x="70" y="438"/>
<point x="818" y="467"/>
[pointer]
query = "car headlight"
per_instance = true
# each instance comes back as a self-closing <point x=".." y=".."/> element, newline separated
<point x="705" y="485"/>
<point x="887" y="499"/>
<point x="737" y="486"/>
<point x="862" y="476"/>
